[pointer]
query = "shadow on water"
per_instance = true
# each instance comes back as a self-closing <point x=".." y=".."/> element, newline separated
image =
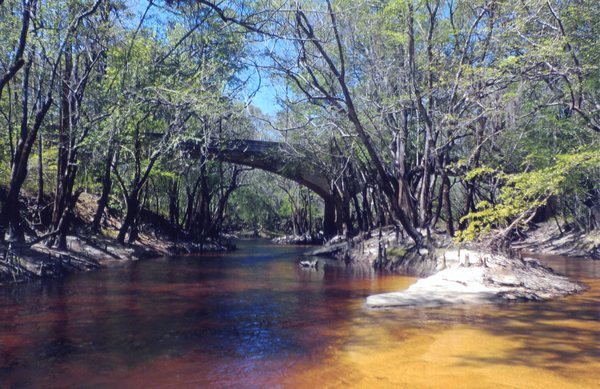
<point x="537" y="344"/>
<point x="245" y="308"/>
<point x="561" y="337"/>
<point x="551" y="335"/>
<point x="255" y="318"/>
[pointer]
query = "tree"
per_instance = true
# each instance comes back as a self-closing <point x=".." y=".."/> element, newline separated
<point x="43" y="98"/>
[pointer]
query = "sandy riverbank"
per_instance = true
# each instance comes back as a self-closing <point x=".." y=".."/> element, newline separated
<point x="470" y="276"/>
<point x="459" y="274"/>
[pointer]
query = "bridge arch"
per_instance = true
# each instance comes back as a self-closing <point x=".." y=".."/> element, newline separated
<point x="281" y="159"/>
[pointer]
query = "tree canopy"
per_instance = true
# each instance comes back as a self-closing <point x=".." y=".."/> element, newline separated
<point x="467" y="117"/>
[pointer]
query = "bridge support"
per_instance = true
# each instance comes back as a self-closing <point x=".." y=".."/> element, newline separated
<point x="329" y="227"/>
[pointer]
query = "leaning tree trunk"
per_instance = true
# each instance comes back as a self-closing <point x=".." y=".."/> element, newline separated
<point x="217" y="222"/>
<point x="306" y="30"/>
<point x="10" y="214"/>
<point x="133" y="204"/>
<point x="106" y="188"/>
<point x="65" y="221"/>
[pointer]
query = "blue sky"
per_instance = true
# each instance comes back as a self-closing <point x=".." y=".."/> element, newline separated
<point x="266" y="96"/>
<point x="266" y="99"/>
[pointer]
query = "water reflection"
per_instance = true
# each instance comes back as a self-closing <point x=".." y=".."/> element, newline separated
<point x="522" y="345"/>
<point x="225" y="315"/>
<point x="255" y="318"/>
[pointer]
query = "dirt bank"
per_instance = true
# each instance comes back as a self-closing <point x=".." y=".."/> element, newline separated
<point x="547" y="238"/>
<point x="87" y="251"/>
<point x="25" y="262"/>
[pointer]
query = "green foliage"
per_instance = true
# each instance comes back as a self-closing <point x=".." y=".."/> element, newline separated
<point x="522" y="193"/>
<point x="510" y="95"/>
<point x="478" y="172"/>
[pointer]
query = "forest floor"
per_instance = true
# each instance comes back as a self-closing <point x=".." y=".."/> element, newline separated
<point x="547" y="238"/>
<point x="87" y="250"/>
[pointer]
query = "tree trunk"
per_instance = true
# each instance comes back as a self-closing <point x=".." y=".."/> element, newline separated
<point x="447" y="203"/>
<point x="134" y="228"/>
<point x="217" y="220"/>
<point x="469" y="204"/>
<point x="111" y="157"/>
<point x="424" y="197"/>
<point x="438" y="208"/>
<point x="358" y="213"/>
<point x="65" y="128"/>
<point x="10" y="214"/>
<point x="366" y="207"/>
<point x="40" y="194"/>
<point x="11" y="144"/>
<point x="133" y="204"/>
<point x="174" y="204"/>
<point x="329" y="228"/>
<point x="65" y="221"/>
<point x="405" y="199"/>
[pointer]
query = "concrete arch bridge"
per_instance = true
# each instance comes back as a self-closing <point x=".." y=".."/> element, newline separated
<point x="281" y="159"/>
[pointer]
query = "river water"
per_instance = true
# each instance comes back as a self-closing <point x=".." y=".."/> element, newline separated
<point x="254" y="318"/>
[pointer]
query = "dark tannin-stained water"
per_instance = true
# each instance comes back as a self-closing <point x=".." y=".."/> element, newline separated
<point x="254" y="318"/>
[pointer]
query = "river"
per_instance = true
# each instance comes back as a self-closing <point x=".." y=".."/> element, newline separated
<point x="254" y="318"/>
